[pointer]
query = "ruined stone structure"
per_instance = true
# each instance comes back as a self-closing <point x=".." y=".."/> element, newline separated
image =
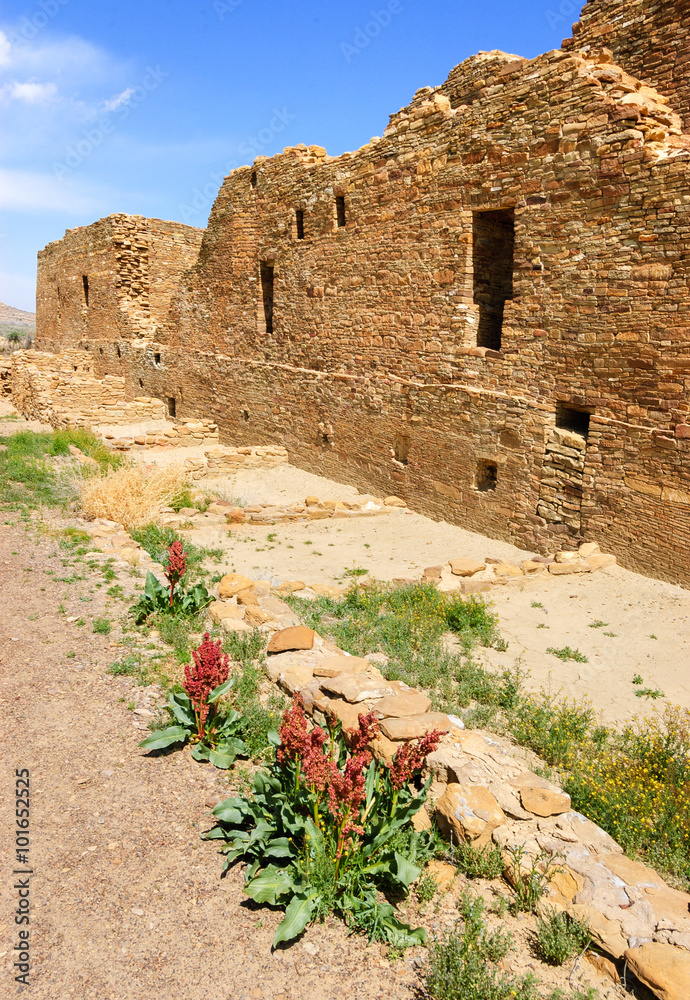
<point x="484" y="311"/>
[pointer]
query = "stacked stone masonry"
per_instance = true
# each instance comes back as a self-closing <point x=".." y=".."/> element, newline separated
<point x="421" y="316"/>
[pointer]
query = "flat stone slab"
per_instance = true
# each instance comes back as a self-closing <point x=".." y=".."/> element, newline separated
<point x="397" y="706"/>
<point x="544" y="801"/>
<point x="358" y="687"/>
<point x="414" y="726"/>
<point x="333" y="666"/>
<point x="233" y="583"/>
<point x="296" y="637"/>
<point x="466" y="567"/>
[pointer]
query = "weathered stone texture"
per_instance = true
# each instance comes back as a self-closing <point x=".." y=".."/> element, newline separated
<point x="362" y="346"/>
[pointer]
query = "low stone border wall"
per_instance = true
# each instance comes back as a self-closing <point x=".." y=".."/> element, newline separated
<point x="182" y="434"/>
<point x="481" y="791"/>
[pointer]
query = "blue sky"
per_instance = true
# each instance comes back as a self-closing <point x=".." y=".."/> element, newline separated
<point x="142" y="107"/>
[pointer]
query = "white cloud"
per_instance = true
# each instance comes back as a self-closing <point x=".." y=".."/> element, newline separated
<point x="31" y="93"/>
<point x="29" y="191"/>
<point x="116" y="102"/>
<point x="5" y="49"/>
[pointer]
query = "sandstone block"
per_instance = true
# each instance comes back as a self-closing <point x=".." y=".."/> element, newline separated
<point x="432" y="573"/>
<point x="589" y="549"/>
<point x="567" y="568"/>
<point x="468" y="812"/>
<point x="532" y="568"/>
<point x="220" y="610"/>
<point x="566" y="556"/>
<point x="413" y="727"/>
<point x="234" y="625"/>
<point x="443" y="872"/>
<point x="357" y="687"/>
<point x="466" y="567"/>
<point x="383" y="749"/>
<point x="296" y="678"/>
<point x="398" y="706"/>
<point x="600" y="561"/>
<point x="421" y="821"/>
<point x="256" y="616"/>
<point x="248" y="597"/>
<point x="394" y="502"/>
<point x="311" y="501"/>
<point x="663" y="968"/>
<point x="544" y="801"/>
<point x="290" y="586"/>
<point x="295" y="637"/>
<point x="507" y="571"/>
<point x="233" y="583"/>
<point x="333" y="666"/>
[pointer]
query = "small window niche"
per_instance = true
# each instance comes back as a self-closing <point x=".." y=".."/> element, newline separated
<point x="493" y="251"/>
<point x="401" y="449"/>
<point x="340" y="210"/>
<point x="299" y="223"/>
<point x="252" y="179"/>
<point x="119" y="352"/>
<point x="85" y="283"/>
<point x="245" y="415"/>
<point x="487" y="476"/>
<point x="573" y="418"/>
<point x="157" y="359"/>
<point x="267" y="293"/>
<point x="171" y="406"/>
<point x="141" y="382"/>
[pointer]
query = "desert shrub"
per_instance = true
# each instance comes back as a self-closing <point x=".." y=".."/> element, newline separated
<point x="460" y="965"/>
<point x="559" y="936"/>
<point x="556" y="732"/>
<point x="477" y="862"/>
<point x="323" y="829"/>
<point x="87" y="442"/>
<point x="638" y="788"/>
<point x="131" y="495"/>
<point x="529" y="877"/>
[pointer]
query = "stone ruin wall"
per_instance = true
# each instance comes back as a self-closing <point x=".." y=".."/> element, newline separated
<point x="649" y="38"/>
<point x="113" y="280"/>
<point x="365" y="360"/>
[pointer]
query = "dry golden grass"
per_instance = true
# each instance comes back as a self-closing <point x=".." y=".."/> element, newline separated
<point x="132" y="495"/>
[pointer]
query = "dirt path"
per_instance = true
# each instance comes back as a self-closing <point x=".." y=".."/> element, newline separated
<point x="126" y="899"/>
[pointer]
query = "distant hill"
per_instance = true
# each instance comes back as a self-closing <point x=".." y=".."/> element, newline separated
<point x="16" y="319"/>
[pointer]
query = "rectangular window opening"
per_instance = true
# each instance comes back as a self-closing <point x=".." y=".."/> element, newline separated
<point x="85" y="282"/>
<point x="493" y="249"/>
<point x="401" y="448"/>
<point x="299" y="223"/>
<point x="172" y="406"/>
<point x="572" y="418"/>
<point x="340" y="209"/>
<point x="487" y="476"/>
<point x="267" y="293"/>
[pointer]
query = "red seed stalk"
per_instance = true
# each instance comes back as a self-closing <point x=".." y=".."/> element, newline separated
<point x="176" y="567"/>
<point x="211" y="668"/>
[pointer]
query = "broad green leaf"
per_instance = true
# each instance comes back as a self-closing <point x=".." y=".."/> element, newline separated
<point x="231" y="810"/>
<point x="273" y="737"/>
<point x="164" y="738"/>
<point x="297" y="916"/>
<point x="180" y="705"/>
<point x="279" y="847"/>
<point x="270" y="884"/>
<point x="405" y="871"/>
<point x="222" y="689"/>
<point x="201" y="752"/>
<point x="222" y="757"/>
<point x="231" y="744"/>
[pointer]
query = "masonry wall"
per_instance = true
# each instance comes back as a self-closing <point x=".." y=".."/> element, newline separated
<point x="372" y="372"/>
<point x="132" y="267"/>
<point x="648" y="38"/>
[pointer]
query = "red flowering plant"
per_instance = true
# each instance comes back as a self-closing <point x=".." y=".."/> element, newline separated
<point x="173" y="599"/>
<point x="195" y="709"/>
<point x="327" y="828"/>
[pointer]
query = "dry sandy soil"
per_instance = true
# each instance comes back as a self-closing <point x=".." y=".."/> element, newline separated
<point x="126" y="898"/>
